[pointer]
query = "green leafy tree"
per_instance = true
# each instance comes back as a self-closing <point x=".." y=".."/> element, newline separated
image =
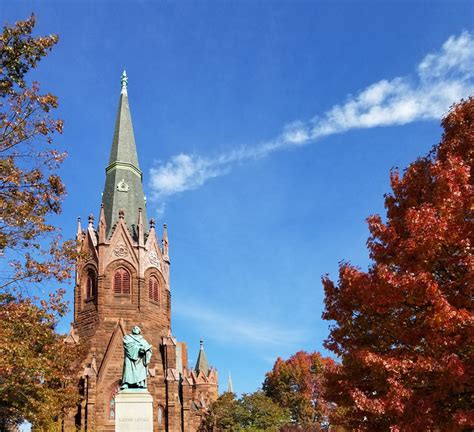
<point x="258" y="412"/>
<point x="223" y="414"/>
<point x="253" y="412"/>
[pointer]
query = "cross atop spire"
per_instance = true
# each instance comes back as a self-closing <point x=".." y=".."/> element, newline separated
<point x="124" y="82"/>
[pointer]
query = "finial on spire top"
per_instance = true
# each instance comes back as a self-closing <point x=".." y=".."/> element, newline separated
<point x="124" y="82"/>
<point x="201" y="344"/>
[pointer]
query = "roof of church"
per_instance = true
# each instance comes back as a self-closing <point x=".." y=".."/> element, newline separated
<point x="201" y="364"/>
<point x="123" y="184"/>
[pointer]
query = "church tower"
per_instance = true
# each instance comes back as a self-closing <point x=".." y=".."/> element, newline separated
<point x="122" y="280"/>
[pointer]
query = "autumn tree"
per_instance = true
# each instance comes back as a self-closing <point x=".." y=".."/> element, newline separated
<point x="34" y="369"/>
<point x="37" y="367"/>
<point x="404" y="328"/>
<point x="297" y="384"/>
<point x="30" y="188"/>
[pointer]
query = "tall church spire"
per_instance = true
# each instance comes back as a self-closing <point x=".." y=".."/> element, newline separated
<point x="123" y="184"/>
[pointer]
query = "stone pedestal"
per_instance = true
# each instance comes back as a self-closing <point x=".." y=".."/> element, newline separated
<point x="133" y="411"/>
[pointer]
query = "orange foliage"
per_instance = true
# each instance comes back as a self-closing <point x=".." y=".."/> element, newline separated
<point x="297" y="384"/>
<point x="36" y="367"/>
<point x="30" y="188"/>
<point x="404" y="329"/>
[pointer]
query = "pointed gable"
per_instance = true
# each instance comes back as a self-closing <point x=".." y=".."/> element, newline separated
<point x="87" y="248"/>
<point x="154" y="257"/>
<point x="72" y="337"/>
<point x="114" y="347"/>
<point x="121" y="243"/>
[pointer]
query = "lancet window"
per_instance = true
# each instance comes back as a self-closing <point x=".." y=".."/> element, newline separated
<point x="153" y="289"/>
<point x="121" y="281"/>
<point x="91" y="284"/>
<point x="160" y="414"/>
<point x="112" y="403"/>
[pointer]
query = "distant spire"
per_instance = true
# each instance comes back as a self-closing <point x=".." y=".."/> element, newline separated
<point x="201" y="364"/>
<point x="229" y="385"/>
<point x="79" y="229"/>
<point x="124" y="82"/>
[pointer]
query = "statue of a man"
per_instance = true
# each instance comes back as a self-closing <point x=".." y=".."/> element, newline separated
<point x="137" y="355"/>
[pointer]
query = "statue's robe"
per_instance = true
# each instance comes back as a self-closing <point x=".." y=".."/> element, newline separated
<point x="135" y="363"/>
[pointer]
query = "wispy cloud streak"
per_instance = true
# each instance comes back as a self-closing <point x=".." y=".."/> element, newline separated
<point x="225" y="328"/>
<point x="441" y="79"/>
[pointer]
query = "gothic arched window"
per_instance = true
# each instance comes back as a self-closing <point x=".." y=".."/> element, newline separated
<point x="122" y="281"/>
<point x="91" y="284"/>
<point x="112" y="404"/>
<point x="160" y="415"/>
<point x="153" y="289"/>
<point x="112" y="408"/>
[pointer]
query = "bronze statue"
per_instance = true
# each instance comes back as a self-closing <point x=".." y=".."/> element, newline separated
<point x="137" y="355"/>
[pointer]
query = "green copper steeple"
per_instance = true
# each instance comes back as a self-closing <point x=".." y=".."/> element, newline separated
<point x="123" y="183"/>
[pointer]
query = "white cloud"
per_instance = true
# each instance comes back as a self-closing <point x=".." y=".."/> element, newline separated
<point x="442" y="78"/>
<point x="224" y="327"/>
<point x="182" y="172"/>
<point x="456" y="56"/>
<point x="296" y="133"/>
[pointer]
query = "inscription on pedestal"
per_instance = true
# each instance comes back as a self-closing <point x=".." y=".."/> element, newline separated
<point x="134" y="411"/>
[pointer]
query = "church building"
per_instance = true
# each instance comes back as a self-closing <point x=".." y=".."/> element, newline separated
<point x="123" y="280"/>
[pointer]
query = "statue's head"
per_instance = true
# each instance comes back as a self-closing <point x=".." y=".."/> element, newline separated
<point x="136" y="330"/>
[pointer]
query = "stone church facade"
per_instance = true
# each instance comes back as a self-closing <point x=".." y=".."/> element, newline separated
<point x="123" y="280"/>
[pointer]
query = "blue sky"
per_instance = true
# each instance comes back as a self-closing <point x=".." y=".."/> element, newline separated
<point x="266" y="131"/>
